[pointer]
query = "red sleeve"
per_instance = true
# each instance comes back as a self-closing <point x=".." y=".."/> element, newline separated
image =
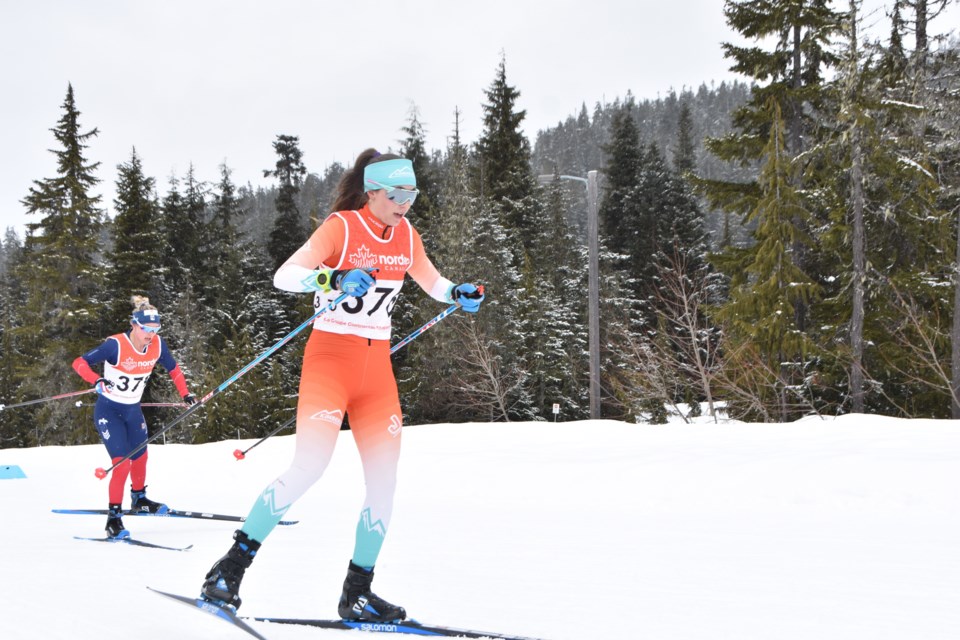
<point x="179" y="381"/>
<point x="84" y="371"/>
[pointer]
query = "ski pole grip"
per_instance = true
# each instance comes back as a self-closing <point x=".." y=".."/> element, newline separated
<point x="474" y="294"/>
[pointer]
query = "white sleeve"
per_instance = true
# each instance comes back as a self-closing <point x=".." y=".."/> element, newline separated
<point x="442" y="290"/>
<point x="293" y="277"/>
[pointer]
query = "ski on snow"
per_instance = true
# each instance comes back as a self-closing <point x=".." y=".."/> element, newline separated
<point x="224" y="613"/>
<point x="172" y="513"/>
<point x="134" y="542"/>
<point x="410" y="627"/>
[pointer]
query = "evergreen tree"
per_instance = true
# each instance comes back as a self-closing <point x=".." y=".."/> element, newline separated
<point x="685" y="154"/>
<point x="185" y="233"/>
<point x="414" y="148"/>
<point x="425" y="375"/>
<point x="289" y="232"/>
<point x="887" y="238"/>
<point x="494" y="371"/>
<point x="557" y="343"/>
<point x="675" y="221"/>
<point x="15" y="426"/>
<point x="944" y="100"/>
<point x="766" y="282"/>
<point x="61" y="277"/>
<point x="227" y="245"/>
<point x="170" y="215"/>
<point x="503" y="159"/>
<point x="414" y="307"/>
<point x="138" y="244"/>
<point x="792" y="73"/>
<point x="619" y="207"/>
<point x="473" y="365"/>
<point x="800" y="31"/>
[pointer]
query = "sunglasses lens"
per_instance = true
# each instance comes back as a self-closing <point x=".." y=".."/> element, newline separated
<point x="398" y="195"/>
<point x="402" y="196"/>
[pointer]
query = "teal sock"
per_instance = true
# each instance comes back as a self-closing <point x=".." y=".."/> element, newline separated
<point x="264" y="516"/>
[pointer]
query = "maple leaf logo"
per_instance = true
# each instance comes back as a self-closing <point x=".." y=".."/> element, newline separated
<point x="363" y="258"/>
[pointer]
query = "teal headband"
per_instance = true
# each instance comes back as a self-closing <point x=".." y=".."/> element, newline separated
<point x="391" y="173"/>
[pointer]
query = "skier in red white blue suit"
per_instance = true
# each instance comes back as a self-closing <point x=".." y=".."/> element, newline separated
<point x="128" y="359"/>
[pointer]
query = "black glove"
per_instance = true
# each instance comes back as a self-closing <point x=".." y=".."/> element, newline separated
<point x="190" y="399"/>
<point x="102" y="385"/>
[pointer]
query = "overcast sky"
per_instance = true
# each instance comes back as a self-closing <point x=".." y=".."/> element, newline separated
<point x="213" y="81"/>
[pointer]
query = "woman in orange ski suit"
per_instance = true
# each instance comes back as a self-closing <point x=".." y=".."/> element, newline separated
<point x="363" y="249"/>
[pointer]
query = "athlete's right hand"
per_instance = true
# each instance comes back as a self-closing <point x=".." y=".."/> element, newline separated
<point x="355" y="282"/>
<point x="102" y="385"/>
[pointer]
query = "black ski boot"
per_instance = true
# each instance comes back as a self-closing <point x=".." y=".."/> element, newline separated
<point x="359" y="603"/>
<point x="140" y="502"/>
<point x="222" y="584"/>
<point x="115" y="528"/>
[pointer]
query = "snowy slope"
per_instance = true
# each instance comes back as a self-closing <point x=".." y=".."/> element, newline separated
<point x="838" y="529"/>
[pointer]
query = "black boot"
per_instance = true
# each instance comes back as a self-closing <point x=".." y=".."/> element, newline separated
<point x="222" y="584"/>
<point x="140" y="502"/>
<point x="359" y="603"/>
<point x="115" y="528"/>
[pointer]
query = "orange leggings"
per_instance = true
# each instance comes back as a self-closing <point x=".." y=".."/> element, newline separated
<point x="342" y="374"/>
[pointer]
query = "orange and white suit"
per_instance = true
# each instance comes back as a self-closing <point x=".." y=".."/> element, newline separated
<point x="347" y="368"/>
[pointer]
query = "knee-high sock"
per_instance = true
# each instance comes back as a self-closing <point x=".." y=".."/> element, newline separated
<point x="138" y="472"/>
<point x="379" y="452"/>
<point x="118" y="480"/>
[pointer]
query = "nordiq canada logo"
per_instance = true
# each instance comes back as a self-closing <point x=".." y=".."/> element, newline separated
<point x="366" y="259"/>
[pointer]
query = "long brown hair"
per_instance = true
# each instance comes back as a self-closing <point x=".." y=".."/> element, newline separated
<point x="350" y="191"/>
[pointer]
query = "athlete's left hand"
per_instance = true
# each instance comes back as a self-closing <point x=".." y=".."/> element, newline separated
<point x="190" y="399"/>
<point x="468" y="296"/>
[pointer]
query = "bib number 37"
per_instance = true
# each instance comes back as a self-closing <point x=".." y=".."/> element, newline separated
<point x="379" y="299"/>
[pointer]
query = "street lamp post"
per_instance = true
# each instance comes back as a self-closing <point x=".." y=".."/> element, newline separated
<point x="593" y="284"/>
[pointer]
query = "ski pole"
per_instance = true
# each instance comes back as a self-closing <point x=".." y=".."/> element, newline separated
<point x="102" y="473"/>
<point x="240" y="455"/>
<point x="146" y="404"/>
<point x="413" y="336"/>
<point x="57" y="397"/>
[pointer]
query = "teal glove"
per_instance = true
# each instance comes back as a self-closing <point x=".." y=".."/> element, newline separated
<point x="468" y="296"/>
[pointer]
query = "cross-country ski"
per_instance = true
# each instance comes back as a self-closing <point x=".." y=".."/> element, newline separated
<point x="408" y="627"/>
<point x="223" y="613"/>
<point x="134" y="542"/>
<point x="172" y="513"/>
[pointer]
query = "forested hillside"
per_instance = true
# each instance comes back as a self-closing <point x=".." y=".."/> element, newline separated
<point x="786" y="245"/>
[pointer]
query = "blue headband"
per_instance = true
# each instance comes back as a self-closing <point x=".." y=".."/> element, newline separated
<point x="391" y="173"/>
<point x="146" y="315"/>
